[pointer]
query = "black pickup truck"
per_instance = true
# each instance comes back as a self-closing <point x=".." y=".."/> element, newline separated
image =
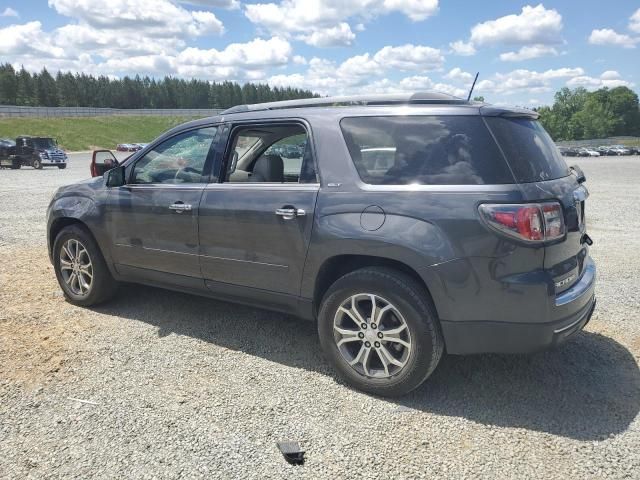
<point x="36" y="152"/>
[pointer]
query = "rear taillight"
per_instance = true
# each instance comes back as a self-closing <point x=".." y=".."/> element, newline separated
<point x="531" y="222"/>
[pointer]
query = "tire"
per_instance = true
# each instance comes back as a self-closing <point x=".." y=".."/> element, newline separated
<point x="410" y="304"/>
<point x="102" y="286"/>
<point x="37" y="164"/>
<point x="16" y="165"/>
<point x="62" y="167"/>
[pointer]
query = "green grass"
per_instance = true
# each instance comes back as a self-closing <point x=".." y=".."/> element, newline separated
<point x="86" y="133"/>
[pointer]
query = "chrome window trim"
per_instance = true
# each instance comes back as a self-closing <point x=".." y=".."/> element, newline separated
<point x="302" y="187"/>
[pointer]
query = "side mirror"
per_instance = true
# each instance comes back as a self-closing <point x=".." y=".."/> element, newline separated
<point x="234" y="163"/>
<point x="114" y="177"/>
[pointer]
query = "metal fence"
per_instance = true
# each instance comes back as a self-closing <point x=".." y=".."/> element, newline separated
<point x="596" y="142"/>
<point x="15" y="111"/>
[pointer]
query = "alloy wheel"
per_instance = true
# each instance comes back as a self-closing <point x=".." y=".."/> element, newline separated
<point x="76" y="267"/>
<point x="372" y="336"/>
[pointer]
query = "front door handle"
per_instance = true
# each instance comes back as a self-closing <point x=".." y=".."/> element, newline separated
<point x="180" y="207"/>
<point x="289" y="213"/>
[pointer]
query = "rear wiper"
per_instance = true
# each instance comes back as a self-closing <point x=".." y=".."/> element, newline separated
<point x="577" y="171"/>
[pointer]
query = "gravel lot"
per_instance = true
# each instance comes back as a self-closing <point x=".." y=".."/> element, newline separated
<point x="185" y="387"/>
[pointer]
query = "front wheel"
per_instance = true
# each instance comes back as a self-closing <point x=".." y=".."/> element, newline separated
<point x="80" y="268"/>
<point x="37" y="164"/>
<point x="62" y="167"/>
<point x="379" y="329"/>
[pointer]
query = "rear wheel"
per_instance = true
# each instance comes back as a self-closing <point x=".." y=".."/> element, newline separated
<point x="37" y="164"/>
<point x="379" y="329"/>
<point x="80" y="268"/>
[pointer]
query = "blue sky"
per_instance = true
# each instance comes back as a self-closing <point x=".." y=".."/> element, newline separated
<point x="523" y="51"/>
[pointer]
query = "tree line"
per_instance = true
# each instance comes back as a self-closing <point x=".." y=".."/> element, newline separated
<point x="579" y="114"/>
<point x="65" y="89"/>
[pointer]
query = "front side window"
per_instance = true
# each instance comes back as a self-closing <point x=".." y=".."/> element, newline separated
<point x="424" y="150"/>
<point x="177" y="160"/>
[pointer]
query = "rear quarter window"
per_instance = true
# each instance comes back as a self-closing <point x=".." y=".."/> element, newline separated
<point x="426" y="150"/>
<point x="530" y="151"/>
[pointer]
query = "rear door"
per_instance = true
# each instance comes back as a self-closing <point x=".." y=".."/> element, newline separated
<point x="543" y="175"/>
<point x="255" y="223"/>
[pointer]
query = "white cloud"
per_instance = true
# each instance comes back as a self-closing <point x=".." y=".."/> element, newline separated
<point x="316" y="20"/>
<point x="27" y="40"/>
<point x="607" y="36"/>
<point x="634" y="22"/>
<point x="409" y="57"/>
<point x="461" y="48"/>
<point x="528" y="52"/>
<point x="9" y="12"/>
<point x="458" y="75"/>
<point x="528" y="81"/>
<point x="609" y="79"/>
<point x="228" y="4"/>
<point x="416" y="10"/>
<point x="610" y="75"/>
<point x="256" y="53"/>
<point x="534" y="25"/>
<point x="341" y="34"/>
<point x="162" y="19"/>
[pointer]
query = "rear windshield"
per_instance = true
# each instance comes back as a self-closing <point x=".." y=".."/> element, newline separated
<point x="427" y="150"/>
<point x="531" y="153"/>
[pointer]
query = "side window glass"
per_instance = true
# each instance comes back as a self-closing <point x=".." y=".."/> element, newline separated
<point x="179" y="159"/>
<point x="424" y="150"/>
<point x="272" y="154"/>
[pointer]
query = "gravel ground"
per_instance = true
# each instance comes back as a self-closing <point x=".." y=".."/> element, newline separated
<point x="185" y="387"/>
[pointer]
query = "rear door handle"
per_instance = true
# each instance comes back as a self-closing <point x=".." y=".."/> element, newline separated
<point x="290" y="212"/>
<point x="180" y="207"/>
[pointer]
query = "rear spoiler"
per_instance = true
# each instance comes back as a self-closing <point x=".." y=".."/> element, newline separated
<point x="493" y="111"/>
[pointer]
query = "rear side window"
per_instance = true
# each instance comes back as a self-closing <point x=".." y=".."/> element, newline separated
<point x="426" y="150"/>
<point x="531" y="153"/>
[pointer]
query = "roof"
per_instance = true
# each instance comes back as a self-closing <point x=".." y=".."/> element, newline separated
<point x="421" y="98"/>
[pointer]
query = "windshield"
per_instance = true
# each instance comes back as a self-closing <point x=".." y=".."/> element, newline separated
<point x="531" y="153"/>
<point x="44" y="143"/>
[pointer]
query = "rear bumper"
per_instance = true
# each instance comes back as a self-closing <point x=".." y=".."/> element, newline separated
<point x="570" y="312"/>
<point x="462" y="338"/>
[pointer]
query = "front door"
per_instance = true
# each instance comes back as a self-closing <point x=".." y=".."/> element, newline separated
<point x="255" y="225"/>
<point x="153" y="219"/>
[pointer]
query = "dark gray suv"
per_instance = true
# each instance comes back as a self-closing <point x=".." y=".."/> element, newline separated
<point x="404" y="225"/>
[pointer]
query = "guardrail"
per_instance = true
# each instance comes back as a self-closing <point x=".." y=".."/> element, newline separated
<point x="15" y="111"/>
<point x="596" y="142"/>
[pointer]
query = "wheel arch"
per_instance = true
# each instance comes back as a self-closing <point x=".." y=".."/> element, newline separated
<point x="339" y="265"/>
<point x="58" y="224"/>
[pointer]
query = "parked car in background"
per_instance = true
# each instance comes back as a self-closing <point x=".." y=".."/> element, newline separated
<point x="564" y="151"/>
<point x="411" y="225"/>
<point x="620" y="150"/>
<point x="589" y="152"/>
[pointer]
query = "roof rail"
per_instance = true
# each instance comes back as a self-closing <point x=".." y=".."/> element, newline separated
<point x="384" y="99"/>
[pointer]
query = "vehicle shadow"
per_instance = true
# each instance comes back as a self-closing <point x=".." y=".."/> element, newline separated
<point x="588" y="389"/>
